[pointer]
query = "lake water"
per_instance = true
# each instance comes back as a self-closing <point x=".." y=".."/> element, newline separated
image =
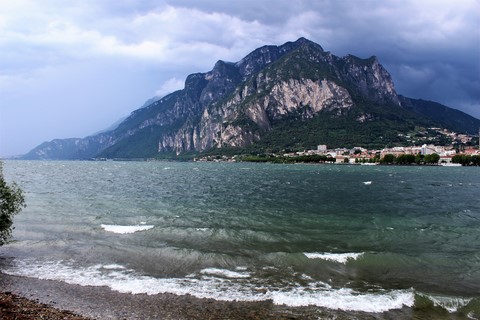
<point x="364" y="238"/>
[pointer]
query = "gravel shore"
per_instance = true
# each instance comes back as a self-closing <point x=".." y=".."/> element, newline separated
<point x="13" y="307"/>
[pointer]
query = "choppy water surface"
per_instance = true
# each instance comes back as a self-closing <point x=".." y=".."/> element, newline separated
<point x="367" y="238"/>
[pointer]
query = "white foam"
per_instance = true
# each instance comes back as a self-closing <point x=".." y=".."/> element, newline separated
<point x="224" y="288"/>
<point x="113" y="266"/>
<point x="306" y="277"/>
<point x="125" y="229"/>
<point x="335" y="257"/>
<point x="241" y="268"/>
<point x="367" y="183"/>
<point x="451" y="304"/>
<point x="225" y="273"/>
<point x="346" y="299"/>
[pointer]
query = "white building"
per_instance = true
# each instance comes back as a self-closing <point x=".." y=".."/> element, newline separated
<point x="428" y="149"/>
<point x="322" y="148"/>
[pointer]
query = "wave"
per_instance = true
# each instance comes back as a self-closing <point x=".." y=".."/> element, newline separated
<point x="335" y="257"/>
<point x="451" y="304"/>
<point x="218" y="284"/>
<point x="112" y="266"/>
<point x="225" y="273"/>
<point x="125" y="229"/>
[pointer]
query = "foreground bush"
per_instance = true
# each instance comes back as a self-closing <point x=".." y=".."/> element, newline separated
<point x="11" y="202"/>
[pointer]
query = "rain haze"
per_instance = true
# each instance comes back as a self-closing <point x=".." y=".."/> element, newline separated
<point x="72" y="68"/>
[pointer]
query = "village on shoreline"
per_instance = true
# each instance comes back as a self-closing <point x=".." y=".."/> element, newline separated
<point x="459" y="153"/>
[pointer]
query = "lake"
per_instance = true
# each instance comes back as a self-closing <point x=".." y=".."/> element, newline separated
<point x="361" y="238"/>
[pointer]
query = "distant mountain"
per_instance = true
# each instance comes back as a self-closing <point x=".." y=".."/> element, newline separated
<point x="452" y="119"/>
<point x="112" y="126"/>
<point x="292" y="96"/>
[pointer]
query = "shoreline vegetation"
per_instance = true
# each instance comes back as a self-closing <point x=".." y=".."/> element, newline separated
<point x="387" y="159"/>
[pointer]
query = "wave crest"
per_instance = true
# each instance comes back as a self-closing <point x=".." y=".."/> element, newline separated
<point x="125" y="229"/>
<point x="335" y="257"/>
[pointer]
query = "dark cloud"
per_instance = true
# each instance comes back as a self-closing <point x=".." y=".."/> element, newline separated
<point x="432" y="48"/>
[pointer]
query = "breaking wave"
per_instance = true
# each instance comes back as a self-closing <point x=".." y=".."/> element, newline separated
<point x="125" y="229"/>
<point x="335" y="257"/>
<point x="219" y="284"/>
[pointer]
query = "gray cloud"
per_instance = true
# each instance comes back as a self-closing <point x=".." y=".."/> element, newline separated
<point x="74" y="69"/>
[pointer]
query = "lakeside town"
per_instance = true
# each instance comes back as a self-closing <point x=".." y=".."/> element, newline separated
<point x="460" y="152"/>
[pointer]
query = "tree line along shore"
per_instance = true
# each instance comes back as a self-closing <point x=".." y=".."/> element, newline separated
<point x="387" y="159"/>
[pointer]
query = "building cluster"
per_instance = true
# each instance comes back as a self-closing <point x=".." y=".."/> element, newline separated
<point x="425" y="136"/>
<point x="362" y="155"/>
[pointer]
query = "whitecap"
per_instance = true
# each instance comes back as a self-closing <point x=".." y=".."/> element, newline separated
<point x="306" y="277"/>
<point x="240" y="268"/>
<point x="225" y="273"/>
<point x="451" y="304"/>
<point x="125" y="229"/>
<point x="367" y="183"/>
<point x="113" y="266"/>
<point x="335" y="257"/>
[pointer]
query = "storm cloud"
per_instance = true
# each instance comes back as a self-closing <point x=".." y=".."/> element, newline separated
<point x="71" y="69"/>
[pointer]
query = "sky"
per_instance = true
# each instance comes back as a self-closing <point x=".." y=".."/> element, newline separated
<point x="73" y="68"/>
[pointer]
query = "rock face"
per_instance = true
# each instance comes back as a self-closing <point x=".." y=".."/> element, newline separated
<point x="237" y="104"/>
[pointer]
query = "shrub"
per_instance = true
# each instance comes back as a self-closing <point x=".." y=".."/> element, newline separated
<point x="11" y="202"/>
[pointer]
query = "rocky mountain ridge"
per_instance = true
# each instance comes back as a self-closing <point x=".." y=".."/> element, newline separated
<point x="236" y="105"/>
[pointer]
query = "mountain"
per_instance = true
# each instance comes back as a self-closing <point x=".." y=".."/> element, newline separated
<point x="292" y="96"/>
<point x="452" y="119"/>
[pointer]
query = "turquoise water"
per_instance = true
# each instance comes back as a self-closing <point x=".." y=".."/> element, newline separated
<point x="366" y="238"/>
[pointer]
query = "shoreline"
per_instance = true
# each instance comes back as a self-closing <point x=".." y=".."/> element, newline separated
<point x="82" y="303"/>
<point x="14" y="307"/>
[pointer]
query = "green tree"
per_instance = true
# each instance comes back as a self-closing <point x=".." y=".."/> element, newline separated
<point x="388" y="158"/>
<point x="11" y="202"/>
<point x="475" y="160"/>
<point x="406" y="159"/>
<point x="419" y="158"/>
<point x="466" y="160"/>
<point x="432" y="158"/>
